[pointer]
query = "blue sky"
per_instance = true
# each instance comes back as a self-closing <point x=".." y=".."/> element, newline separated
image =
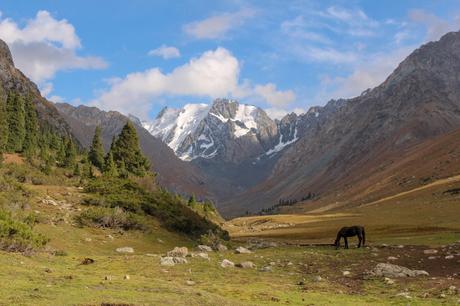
<point x="139" y="56"/>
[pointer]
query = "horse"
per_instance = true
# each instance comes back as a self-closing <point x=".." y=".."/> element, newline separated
<point x="350" y="232"/>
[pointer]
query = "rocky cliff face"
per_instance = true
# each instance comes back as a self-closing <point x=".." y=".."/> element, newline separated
<point x="348" y="140"/>
<point x="13" y="79"/>
<point x="173" y="173"/>
<point x="234" y="144"/>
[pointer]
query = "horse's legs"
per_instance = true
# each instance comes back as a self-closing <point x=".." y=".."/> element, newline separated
<point x="360" y="238"/>
<point x="346" y="242"/>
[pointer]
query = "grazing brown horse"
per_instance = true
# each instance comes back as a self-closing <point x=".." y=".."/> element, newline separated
<point x="351" y="231"/>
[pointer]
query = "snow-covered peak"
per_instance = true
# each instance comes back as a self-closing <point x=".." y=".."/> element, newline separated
<point x="204" y="130"/>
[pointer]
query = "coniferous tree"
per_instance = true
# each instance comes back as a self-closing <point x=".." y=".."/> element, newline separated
<point x="76" y="170"/>
<point x="16" y="122"/>
<point x="126" y="151"/>
<point x="122" y="172"/>
<point x="70" y="154"/>
<point x="96" y="151"/>
<point x="31" y="128"/>
<point x="3" y="126"/>
<point x="110" y="169"/>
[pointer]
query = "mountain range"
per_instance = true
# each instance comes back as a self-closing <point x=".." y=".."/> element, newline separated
<point x="349" y="152"/>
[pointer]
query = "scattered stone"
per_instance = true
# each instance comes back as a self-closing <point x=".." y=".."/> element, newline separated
<point x="167" y="261"/>
<point x="404" y="294"/>
<point x="242" y="250"/>
<point x="88" y="239"/>
<point x="452" y="290"/>
<point x="151" y="255"/>
<point x="442" y="296"/>
<point x="178" y="252"/>
<point x="221" y="248"/>
<point x="392" y="258"/>
<point x="389" y="281"/>
<point x="48" y="270"/>
<point x="126" y="277"/>
<point x="430" y="251"/>
<point x="125" y="250"/>
<point x="272" y="263"/>
<point x="110" y="237"/>
<point x="400" y="246"/>
<point x="346" y="273"/>
<point x="317" y="278"/>
<point x="108" y="278"/>
<point x="266" y="269"/>
<point x="246" y="265"/>
<point x="432" y="257"/>
<point x="201" y="255"/>
<point x="204" y="248"/>
<point x="190" y="282"/>
<point x="160" y="241"/>
<point x="180" y="260"/>
<point x="449" y="257"/>
<point x="227" y="264"/>
<point x="87" y="261"/>
<point x="390" y="270"/>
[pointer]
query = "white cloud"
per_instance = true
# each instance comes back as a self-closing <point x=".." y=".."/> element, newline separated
<point x="218" y="25"/>
<point x="165" y="52"/>
<point x="45" y="46"/>
<point x="274" y="97"/>
<point x="215" y="73"/>
<point x="435" y="26"/>
<point x="370" y="72"/>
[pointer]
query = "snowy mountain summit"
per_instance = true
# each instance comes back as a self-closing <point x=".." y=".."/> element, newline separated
<point x="225" y="130"/>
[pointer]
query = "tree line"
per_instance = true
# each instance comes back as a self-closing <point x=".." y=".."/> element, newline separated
<point x="284" y="202"/>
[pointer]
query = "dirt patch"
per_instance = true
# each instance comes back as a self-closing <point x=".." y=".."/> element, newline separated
<point x="13" y="159"/>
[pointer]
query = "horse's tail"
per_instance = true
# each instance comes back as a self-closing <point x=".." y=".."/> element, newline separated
<point x="364" y="237"/>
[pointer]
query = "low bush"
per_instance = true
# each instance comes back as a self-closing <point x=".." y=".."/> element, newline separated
<point x="17" y="236"/>
<point x="114" y="217"/>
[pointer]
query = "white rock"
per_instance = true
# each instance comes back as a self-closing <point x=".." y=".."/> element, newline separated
<point x="430" y="251"/>
<point x="346" y="273"/>
<point x="204" y="248"/>
<point x="266" y="269"/>
<point x="390" y="270"/>
<point x="190" y="282"/>
<point x="167" y="261"/>
<point x="227" y="264"/>
<point x="178" y="252"/>
<point x="404" y="294"/>
<point x="449" y="257"/>
<point x="392" y="258"/>
<point x="125" y="250"/>
<point x="242" y="250"/>
<point x="127" y="277"/>
<point x="389" y="281"/>
<point x="246" y="265"/>
<point x="221" y="248"/>
<point x="317" y="278"/>
<point x="201" y="255"/>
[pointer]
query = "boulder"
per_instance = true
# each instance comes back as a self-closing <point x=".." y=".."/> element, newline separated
<point x="204" y="248"/>
<point x="167" y="261"/>
<point x="242" y="250"/>
<point x="227" y="264"/>
<point x="390" y="270"/>
<point x="125" y="250"/>
<point x="246" y="265"/>
<point x="221" y="248"/>
<point x="178" y="252"/>
<point x="201" y="255"/>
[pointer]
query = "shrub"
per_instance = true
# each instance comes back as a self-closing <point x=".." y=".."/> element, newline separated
<point x="111" y="218"/>
<point x="17" y="236"/>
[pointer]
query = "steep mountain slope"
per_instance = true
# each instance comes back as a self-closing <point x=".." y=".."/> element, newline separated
<point x="235" y="145"/>
<point x="13" y="79"/>
<point x="351" y="139"/>
<point x="173" y="173"/>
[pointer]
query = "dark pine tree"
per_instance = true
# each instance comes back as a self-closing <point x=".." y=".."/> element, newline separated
<point x="96" y="151"/>
<point x="110" y="169"/>
<point x="3" y="125"/>
<point x="30" y="145"/>
<point x="126" y="152"/>
<point x="70" y="154"/>
<point x="16" y="122"/>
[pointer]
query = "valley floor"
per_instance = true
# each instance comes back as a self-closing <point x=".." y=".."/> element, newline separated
<point x="288" y="273"/>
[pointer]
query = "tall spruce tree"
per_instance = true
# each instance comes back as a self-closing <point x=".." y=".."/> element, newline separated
<point x="30" y="145"/>
<point x="96" y="151"/>
<point x="127" y="153"/>
<point x="16" y="122"/>
<point x="110" y="169"/>
<point x="3" y="125"/>
<point x="70" y="154"/>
